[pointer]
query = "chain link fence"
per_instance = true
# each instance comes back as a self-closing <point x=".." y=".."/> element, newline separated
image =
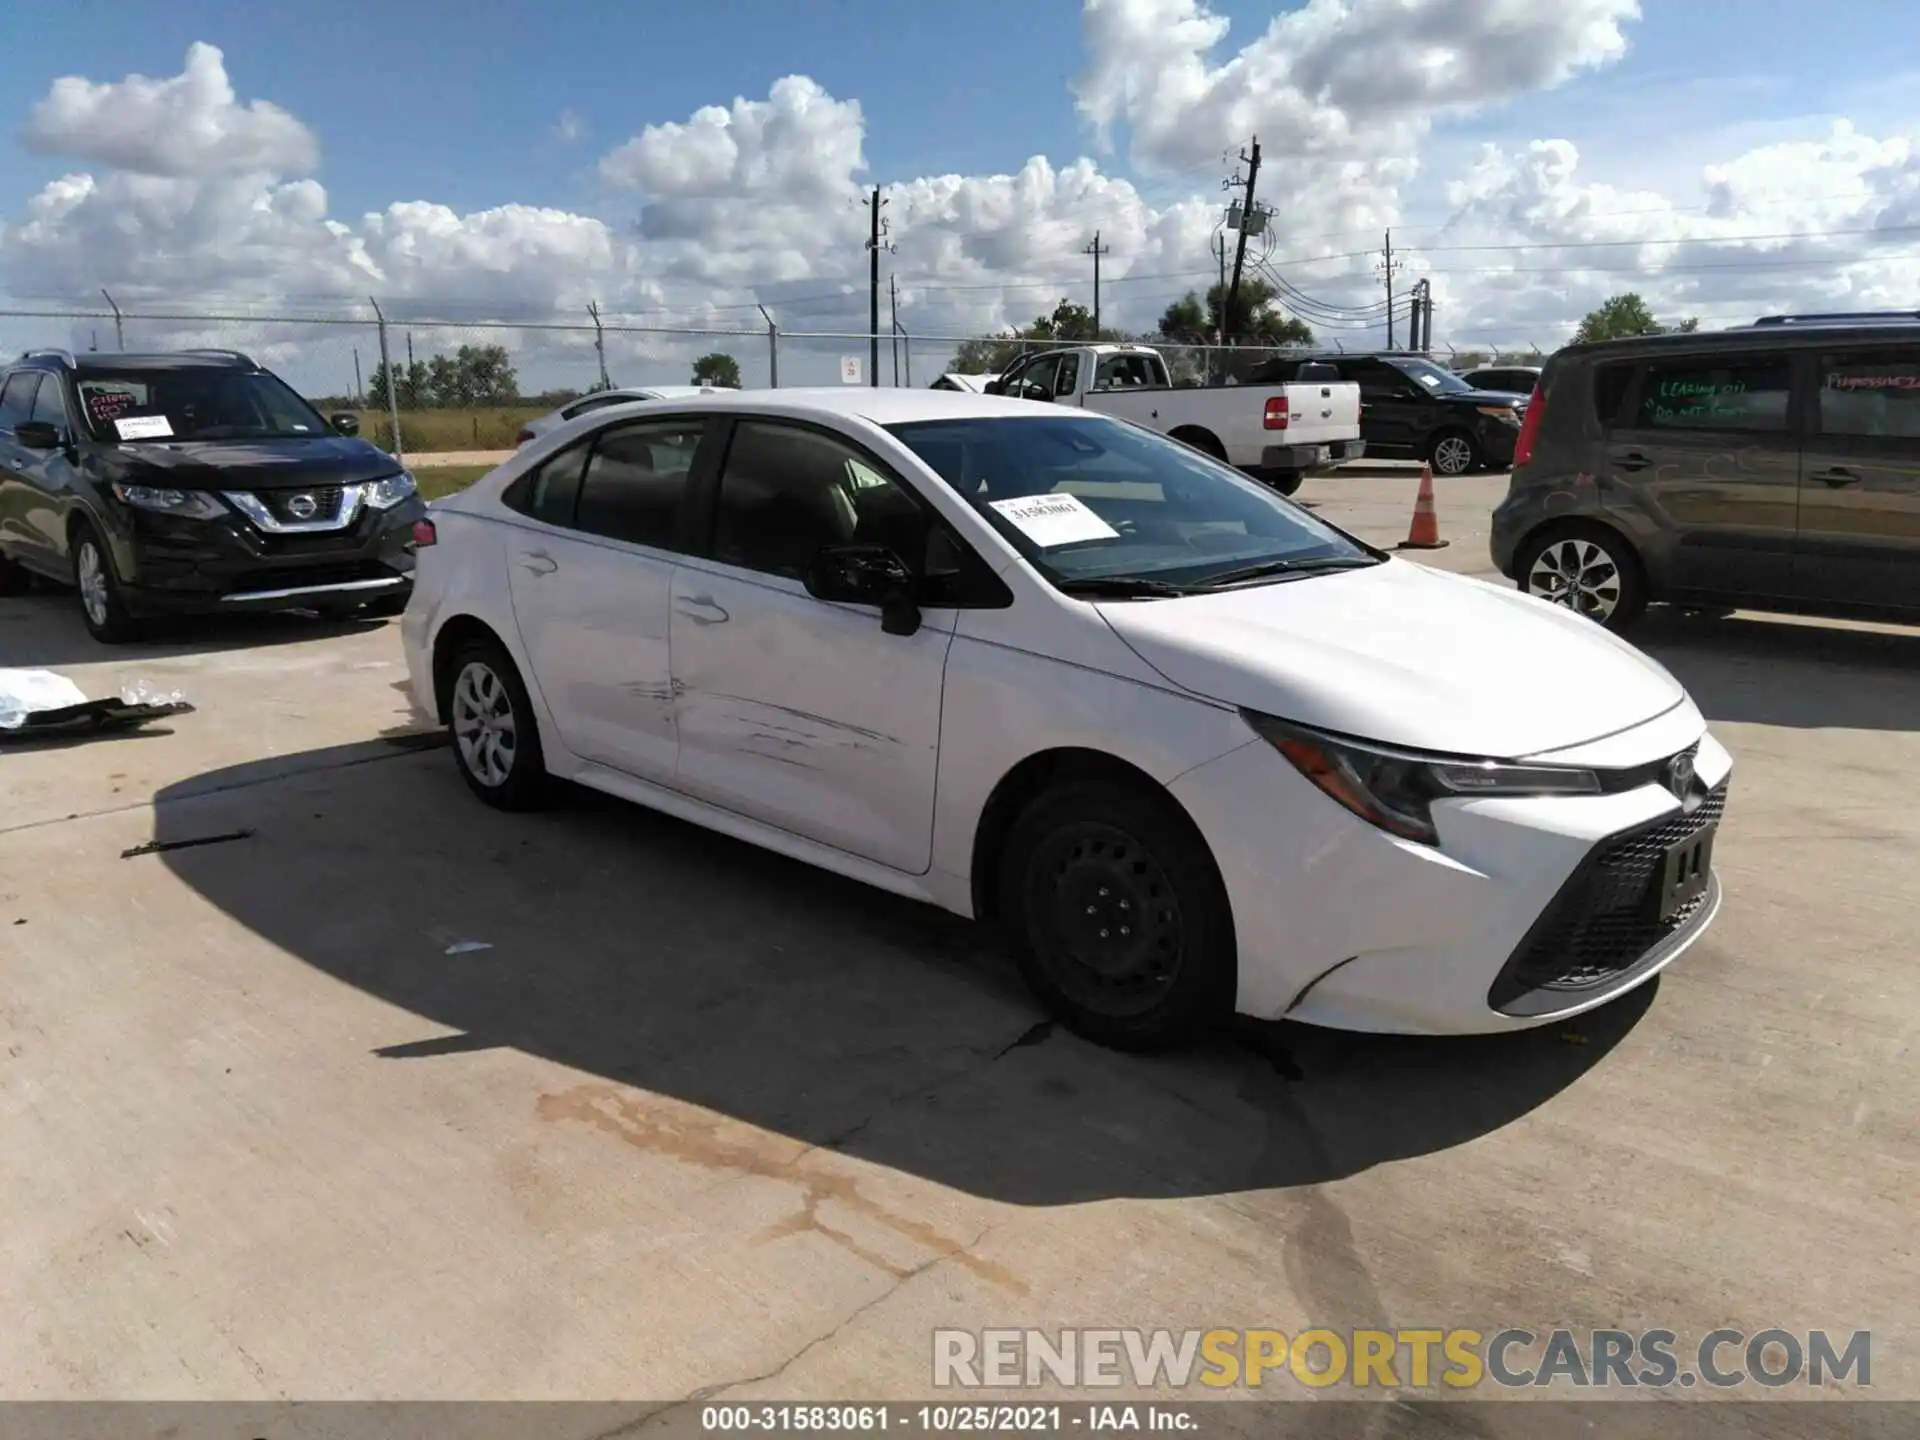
<point x="424" y="383"/>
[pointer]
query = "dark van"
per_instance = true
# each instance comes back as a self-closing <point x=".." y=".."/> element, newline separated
<point x="1774" y="466"/>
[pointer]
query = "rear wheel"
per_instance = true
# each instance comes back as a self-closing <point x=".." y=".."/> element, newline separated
<point x="1587" y="568"/>
<point x="1287" y="482"/>
<point x="1205" y="441"/>
<point x="496" y="741"/>
<point x="1117" y="915"/>
<point x="102" y="605"/>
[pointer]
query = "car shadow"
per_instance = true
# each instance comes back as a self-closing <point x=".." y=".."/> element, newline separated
<point x="1781" y="670"/>
<point x="43" y="630"/>
<point x="698" y="985"/>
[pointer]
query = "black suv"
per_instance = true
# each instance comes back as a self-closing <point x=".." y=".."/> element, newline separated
<point x="1411" y="409"/>
<point x="1775" y="466"/>
<point x="194" y="483"/>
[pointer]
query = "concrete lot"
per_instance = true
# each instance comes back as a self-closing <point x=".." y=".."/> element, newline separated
<point x="701" y="1121"/>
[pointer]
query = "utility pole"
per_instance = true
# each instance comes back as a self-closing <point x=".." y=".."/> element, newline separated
<point x="1096" y="249"/>
<point x="599" y="343"/>
<point x="1240" y="251"/>
<point x="119" y="332"/>
<point x="1387" y="269"/>
<point x="893" y="312"/>
<point x="359" y="390"/>
<point x="1220" y="311"/>
<point x="409" y="357"/>
<point x="875" y="205"/>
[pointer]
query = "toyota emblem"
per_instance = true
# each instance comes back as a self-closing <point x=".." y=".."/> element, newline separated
<point x="303" y="507"/>
<point x="1680" y="774"/>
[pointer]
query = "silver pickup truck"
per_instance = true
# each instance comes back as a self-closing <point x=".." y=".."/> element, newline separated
<point x="1277" y="433"/>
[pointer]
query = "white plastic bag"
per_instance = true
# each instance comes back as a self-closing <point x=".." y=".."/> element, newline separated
<point x="25" y="692"/>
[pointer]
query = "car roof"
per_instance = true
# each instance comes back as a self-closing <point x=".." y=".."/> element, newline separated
<point x="878" y="405"/>
<point x="1751" y="337"/>
<point x="93" y="360"/>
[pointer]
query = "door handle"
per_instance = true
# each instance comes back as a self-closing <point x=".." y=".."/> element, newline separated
<point x="18" y="463"/>
<point x="1633" y="460"/>
<point x="539" y="562"/>
<point x="702" y="610"/>
<point x="1836" y="477"/>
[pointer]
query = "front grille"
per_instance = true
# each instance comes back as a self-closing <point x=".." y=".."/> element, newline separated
<point x="1603" y="922"/>
<point x="326" y="504"/>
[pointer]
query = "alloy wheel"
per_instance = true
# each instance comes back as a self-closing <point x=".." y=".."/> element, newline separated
<point x="1579" y="574"/>
<point x="484" y="726"/>
<point x="91" y="575"/>
<point x="1453" y="455"/>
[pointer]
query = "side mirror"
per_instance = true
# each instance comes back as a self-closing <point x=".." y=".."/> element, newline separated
<point x="37" y="435"/>
<point x="867" y="575"/>
<point x="346" y="422"/>
<point x="993" y="387"/>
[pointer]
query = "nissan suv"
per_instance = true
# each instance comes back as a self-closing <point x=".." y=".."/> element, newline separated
<point x="194" y="483"/>
<point x="1411" y="409"/>
<point x="1774" y="466"/>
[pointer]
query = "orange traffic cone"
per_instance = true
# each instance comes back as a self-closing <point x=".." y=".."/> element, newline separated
<point x="1424" y="533"/>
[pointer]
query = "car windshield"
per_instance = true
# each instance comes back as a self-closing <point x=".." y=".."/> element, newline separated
<point x="1431" y="377"/>
<point x="1086" y="499"/>
<point x="135" y="406"/>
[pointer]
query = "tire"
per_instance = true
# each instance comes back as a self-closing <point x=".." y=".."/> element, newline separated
<point x="1610" y="584"/>
<point x="1200" y="440"/>
<point x="103" y="606"/>
<point x="503" y="764"/>
<point x="1084" y="857"/>
<point x="1288" y="482"/>
<point x="1454" y="452"/>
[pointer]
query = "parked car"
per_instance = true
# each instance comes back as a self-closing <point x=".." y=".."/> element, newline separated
<point x="1506" y="379"/>
<point x="1192" y="748"/>
<point x="194" y="483"/>
<point x="1279" y="433"/>
<point x="1774" y="466"/>
<point x="605" y="400"/>
<point x="1411" y="409"/>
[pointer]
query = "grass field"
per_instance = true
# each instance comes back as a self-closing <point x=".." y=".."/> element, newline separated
<point x="438" y="480"/>
<point x="491" y="428"/>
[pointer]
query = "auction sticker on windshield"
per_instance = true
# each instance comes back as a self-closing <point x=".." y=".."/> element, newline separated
<point x="1053" y="520"/>
<point x="143" y="427"/>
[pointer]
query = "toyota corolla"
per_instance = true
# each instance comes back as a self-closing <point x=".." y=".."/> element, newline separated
<point x="1193" y="749"/>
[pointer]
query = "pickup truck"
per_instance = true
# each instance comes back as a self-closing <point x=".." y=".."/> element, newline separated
<point x="1278" y="434"/>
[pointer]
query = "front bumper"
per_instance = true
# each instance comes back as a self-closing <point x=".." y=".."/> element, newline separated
<point x="169" y="565"/>
<point x="1305" y="459"/>
<point x="1342" y="925"/>
<point x="1497" y="441"/>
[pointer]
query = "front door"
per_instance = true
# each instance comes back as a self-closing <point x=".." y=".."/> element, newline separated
<point x="592" y="576"/>
<point x="21" y="498"/>
<point x="1707" y="449"/>
<point x="1393" y="410"/>
<point x="1859" y="540"/>
<point x="795" y="712"/>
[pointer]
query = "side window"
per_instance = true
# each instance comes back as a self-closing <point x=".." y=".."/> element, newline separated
<point x="1705" y="393"/>
<point x="597" y="402"/>
<point x="16" y="400"/>
<point x="1610" y="392"/>
<point x="49" y="405"/>
<point x="1036" y="381"/>
<point x="1871" y="394"/>
<point x="636" y="481"/>
<point x="1378" y="381"/>
<point x="1069" y="378"/>
<point x="548" y="493"/>
<point x="787" y="493"/>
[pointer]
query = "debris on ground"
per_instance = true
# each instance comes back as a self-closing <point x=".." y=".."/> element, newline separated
<point x="40" y="704"/>
<point x="468" y="947"/>
<point x="160" y="847"/>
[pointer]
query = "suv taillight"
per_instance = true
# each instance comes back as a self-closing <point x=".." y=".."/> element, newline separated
<point x="1277" y="417"/>
<point x="1529" y="427"/>
<point x="424" y="534"/>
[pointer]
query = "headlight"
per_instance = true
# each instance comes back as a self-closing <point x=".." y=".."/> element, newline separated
<point x="387" y="493"/>
<point x="187" y="504"/>
<point x="1500" y="412"/>
<point x="1395" y="789"/>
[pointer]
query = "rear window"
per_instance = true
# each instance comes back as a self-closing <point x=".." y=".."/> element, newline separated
<point x="1709" y="393"/>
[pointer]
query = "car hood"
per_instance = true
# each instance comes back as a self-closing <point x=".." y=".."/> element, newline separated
<point x="1482" y="397"/>
<point x="1404" y="655"/>
<point x="253" y="464"/>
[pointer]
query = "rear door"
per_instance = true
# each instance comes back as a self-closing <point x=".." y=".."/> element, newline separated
<point x="592" y="576"/>
<point x="1393" y="410"/>
<point x="18" y="493"/>
<point x="53" y="478"/>
<point x="1859" y="536"/>
<point x="1707" y="448"/>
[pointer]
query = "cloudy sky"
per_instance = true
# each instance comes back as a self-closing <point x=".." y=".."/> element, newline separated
<point x="682" y="165"/>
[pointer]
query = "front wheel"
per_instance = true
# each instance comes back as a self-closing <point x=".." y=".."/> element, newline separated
<point x="1453" y="452"/>
<point x="1589" y="569"/>
<point x="102" y="606"/>
<point x="1117" y="915"/>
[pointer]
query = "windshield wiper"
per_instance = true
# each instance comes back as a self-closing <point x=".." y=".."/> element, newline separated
<point x="1121" y="587"/>
<point x="1268" y="568"/>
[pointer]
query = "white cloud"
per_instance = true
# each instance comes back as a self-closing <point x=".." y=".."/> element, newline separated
<point x="190" y="200"/>
<point x="570" y="128"/>
<point x="187" y="125"/>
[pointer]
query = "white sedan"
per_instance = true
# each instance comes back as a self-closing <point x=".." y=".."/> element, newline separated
<point x="1192" y="748"/>
<point x="606" y="400"/>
